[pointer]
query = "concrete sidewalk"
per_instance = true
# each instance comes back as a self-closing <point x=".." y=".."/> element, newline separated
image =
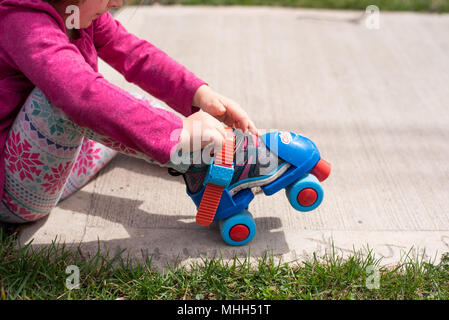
<point x="374" y="101"/>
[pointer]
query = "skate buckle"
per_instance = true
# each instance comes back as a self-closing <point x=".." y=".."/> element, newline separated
<point x="218" y="177"/>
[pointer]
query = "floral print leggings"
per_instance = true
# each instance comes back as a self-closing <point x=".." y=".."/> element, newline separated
<point x="48" y="157"/>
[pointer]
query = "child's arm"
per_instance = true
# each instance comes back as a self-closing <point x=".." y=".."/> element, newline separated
<point x="145" y="65"/>
<point x="154" y="71"/>
<point x="37" y="46"/>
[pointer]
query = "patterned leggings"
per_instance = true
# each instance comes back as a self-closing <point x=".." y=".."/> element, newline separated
<point x="48" y="157"/>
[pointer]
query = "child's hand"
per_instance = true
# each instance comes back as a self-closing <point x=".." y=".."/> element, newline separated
<point x="199" y="130"/>
<point x="224" y="109"/>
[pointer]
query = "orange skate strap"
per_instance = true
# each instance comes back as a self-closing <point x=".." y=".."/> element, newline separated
<point x="214" y="189"/>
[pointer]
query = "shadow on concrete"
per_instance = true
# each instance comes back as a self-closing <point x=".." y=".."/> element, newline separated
<point x="141" y="167"/>
<point x="165" y="239"/>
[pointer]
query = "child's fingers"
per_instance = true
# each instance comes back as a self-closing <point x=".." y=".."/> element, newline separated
<point x="216" y="137"/>
<point x="221" y="108"/>
<point x="233" y="116"/>
<point x="215" y="108"/>
<point x="240" y="117"/>
<point x="243" y="123"/>
<point x="252" y="127"/>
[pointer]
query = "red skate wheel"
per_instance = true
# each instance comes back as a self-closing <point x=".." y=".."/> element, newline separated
<point x="239" y="232"/>
<point x="307" y="197"/>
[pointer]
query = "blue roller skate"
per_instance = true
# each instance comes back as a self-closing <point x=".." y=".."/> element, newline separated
<point x="276" y="160"/>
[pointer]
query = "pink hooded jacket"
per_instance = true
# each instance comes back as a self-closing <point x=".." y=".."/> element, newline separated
<point x="35" y="51"/>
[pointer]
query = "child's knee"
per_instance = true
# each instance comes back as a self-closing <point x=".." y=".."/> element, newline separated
<point x="50" y="120"/>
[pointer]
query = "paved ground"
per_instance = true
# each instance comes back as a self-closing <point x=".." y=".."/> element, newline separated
<point x="374" y="101"/>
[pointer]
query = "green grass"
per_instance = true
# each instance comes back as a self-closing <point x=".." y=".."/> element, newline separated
<point x="389" y="5"/>
<point x="40" y="274"/>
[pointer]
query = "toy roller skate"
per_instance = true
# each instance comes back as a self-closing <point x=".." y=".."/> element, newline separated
<point x="276" y="160"/>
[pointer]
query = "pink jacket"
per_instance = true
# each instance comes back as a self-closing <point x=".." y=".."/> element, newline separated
<point x="35" y="51"/>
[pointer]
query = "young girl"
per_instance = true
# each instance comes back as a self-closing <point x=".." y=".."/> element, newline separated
<point x="61" y="121"/>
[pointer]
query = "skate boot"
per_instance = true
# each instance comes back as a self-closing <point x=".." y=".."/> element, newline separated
<point x="222" y="190"/>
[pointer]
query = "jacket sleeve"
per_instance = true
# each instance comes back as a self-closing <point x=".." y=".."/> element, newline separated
<point x="145" y="65"/>
<point x="41" y="50"/>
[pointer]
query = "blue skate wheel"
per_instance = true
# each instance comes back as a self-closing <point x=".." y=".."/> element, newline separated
<point x="305" y="194"/>
<point x="238" y="229"/>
